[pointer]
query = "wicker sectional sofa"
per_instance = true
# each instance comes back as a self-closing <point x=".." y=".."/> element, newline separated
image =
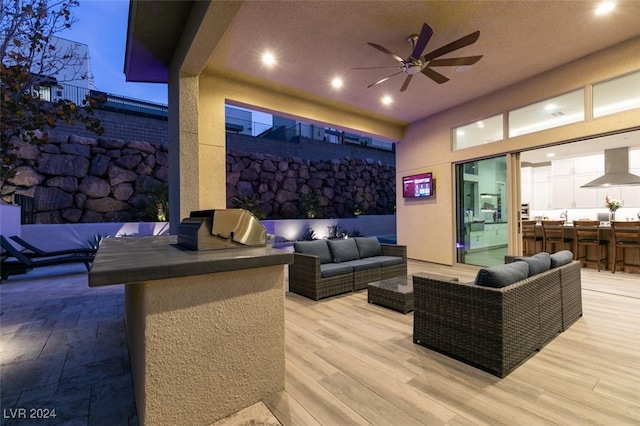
<point x="323" y="268"/>
<point x="494" y="327"/>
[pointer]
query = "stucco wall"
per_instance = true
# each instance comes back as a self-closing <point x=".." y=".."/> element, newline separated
<point x="427" y="144"/>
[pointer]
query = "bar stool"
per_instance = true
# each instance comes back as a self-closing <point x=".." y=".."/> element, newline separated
<point x="553" y="232"/>
<point x="587" y="234"/>
<point x="529" y="236"/>
<point x="626" y="235"/>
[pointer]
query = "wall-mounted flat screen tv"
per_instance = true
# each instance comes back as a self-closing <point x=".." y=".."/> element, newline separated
<point x="416" y="186"/>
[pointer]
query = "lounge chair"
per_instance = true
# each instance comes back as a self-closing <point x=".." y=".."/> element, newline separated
<point x="34" y="251"/>
<point x="15" y="262"/>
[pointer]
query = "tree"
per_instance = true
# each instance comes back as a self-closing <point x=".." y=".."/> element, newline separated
<point x="30" y="57"/>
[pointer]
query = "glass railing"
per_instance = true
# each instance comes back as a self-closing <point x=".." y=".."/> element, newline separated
<point x="107" y="101"/>
<point x="309" y="131"/>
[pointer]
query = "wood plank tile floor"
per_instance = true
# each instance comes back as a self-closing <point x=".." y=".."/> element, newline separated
<point x="348" y="362"/>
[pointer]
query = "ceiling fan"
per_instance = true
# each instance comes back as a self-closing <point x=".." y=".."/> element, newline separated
<point x="416" y="63"/>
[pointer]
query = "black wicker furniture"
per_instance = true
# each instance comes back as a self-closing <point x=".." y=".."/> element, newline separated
<point x="497" y="328"/>
<point x="394" y="293"/>
<point x="323" y="268"/>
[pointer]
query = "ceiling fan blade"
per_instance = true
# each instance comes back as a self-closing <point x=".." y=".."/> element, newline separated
<point x="434" y="75"/>
<point x="375" y="68"/>
<point x="388" y="52"/>
<point x="423" y="39"/>
<point x="454" y="45"/>
<point x="406" y="82"/>
<point x="452" y="62"/>
<point x="384" y="79"/>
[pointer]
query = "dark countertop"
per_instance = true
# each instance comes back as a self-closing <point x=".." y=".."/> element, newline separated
<point x="129" y="260"/>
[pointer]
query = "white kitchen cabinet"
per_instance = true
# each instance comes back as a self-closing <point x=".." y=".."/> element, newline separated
<point x="630" y="196"/>
<point x="495" y="234"/>
<point x="584" y="198"/>
<point x="503" y="237"/>
<point x="562" y="189"/>
<point x="541" y="188"/>
<point x="525" y="185"/>
<point x="588" y="164"/>
<point x="562" y="168"/>
<point x="476" y="240"/>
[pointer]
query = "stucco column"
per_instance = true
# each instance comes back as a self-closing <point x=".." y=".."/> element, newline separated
<point x="211" y="147"/>
<point x="197" y="174"/>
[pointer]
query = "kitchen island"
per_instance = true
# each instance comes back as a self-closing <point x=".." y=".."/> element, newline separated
<point x="632" y="256"/>
<point x="205" y="329"/>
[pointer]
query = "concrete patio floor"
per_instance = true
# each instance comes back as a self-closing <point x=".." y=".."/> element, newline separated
<point x="63" y="348"/>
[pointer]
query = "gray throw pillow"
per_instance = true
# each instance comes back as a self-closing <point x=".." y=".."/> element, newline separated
<point x="368" y="246"/>
<point x="503" y="275"/>
<point x="561" y="258"/>
<point x="539" y="262"/>
<point x="343" y="250"/>
<point x="315" y="248"/>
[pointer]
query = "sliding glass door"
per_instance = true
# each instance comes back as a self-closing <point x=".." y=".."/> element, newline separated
<point x="481" y="190"/>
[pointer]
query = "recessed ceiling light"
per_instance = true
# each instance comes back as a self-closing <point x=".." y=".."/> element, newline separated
<point x="387" y="100"/>
<point x="551" y="154"/>
<point x="268" y="59"/>
<point x="605" y="7"/>
<point x="480" y="124"/>
<point x="550" y="107"/>
<point x="336" y="83"/>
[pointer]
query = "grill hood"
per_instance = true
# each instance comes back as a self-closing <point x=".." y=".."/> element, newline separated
<point x="616" y="170"/>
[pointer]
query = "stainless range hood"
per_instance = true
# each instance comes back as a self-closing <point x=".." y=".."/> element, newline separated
<point x="616" y="170"/>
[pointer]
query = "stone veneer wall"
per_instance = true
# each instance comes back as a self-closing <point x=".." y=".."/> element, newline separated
<point x="86" y="179"/>
<point x="339" y="185"/>
<point x="81" y="179"/>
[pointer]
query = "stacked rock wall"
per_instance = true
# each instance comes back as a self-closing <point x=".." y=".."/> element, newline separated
<point x="83" y="179"/>
<point x="78" y="179"/>
<point x="281" y="187"/>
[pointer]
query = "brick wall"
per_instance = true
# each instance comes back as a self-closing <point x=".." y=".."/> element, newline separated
<point x="122" y="126"/>
<point x="131" y="127"/>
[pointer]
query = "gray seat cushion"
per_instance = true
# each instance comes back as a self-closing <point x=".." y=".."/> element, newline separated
<point x="538" y="263"/>
<point x="363" y="264"/>
<point x="332" y="269"/>
<point x="368" y="246"/>
<point x="315" y="248"/>
<point x="389" y="260"/>
<point x="503" y="275"/>
<point x="343" y="250"/>
<point x="561" y="257"/>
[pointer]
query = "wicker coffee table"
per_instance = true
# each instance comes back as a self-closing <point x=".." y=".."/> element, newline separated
<point x="394" y="293"/>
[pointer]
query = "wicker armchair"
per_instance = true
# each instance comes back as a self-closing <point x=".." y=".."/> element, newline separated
<point x="495" y="329"/>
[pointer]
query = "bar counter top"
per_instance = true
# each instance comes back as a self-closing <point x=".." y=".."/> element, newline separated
<point x="129" y="260"/>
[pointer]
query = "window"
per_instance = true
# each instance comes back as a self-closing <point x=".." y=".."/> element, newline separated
<point x="554" y="112"/>
<point x="618" y="94"/>
<point x="478" y="133"/>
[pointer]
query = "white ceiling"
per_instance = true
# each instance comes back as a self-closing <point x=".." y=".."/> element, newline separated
<point x="313" y="41"/>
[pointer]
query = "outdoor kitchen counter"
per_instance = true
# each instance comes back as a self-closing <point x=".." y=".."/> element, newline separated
<point x="134" y="259"/>
<point x="205" y="329"/>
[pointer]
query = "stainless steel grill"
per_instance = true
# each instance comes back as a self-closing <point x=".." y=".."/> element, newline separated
<point x="220" y="229"/>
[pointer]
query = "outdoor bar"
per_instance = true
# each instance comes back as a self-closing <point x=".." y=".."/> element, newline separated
<point x="205" y="327"/>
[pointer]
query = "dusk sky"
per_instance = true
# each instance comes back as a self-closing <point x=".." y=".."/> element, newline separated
<point x="102" y="25"/>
